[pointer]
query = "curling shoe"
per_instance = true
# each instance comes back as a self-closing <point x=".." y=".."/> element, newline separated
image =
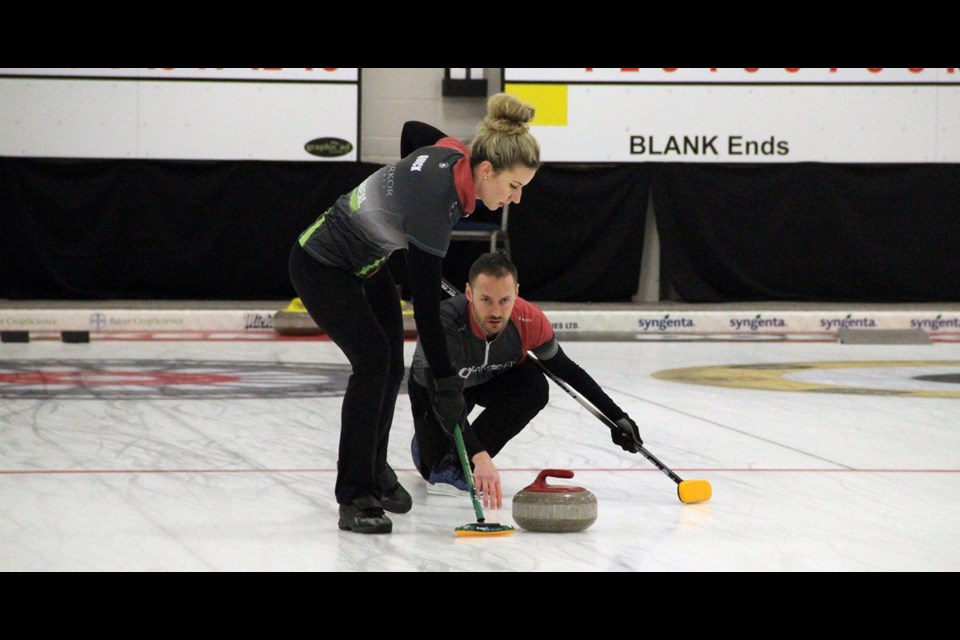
<point x="364" y="515"/>
<point x="395" y="497"/>
<point x="447" y="479"/>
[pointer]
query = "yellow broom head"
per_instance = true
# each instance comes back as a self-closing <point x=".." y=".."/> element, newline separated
<point x="691" y="491"/>
<point x="482" y="529"/>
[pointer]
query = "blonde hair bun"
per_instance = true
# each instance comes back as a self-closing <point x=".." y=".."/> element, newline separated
<point x="508" y="114"/>
<point x="503" y="137"/>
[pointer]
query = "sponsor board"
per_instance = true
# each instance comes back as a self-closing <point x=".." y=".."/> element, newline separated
<point x="746" y="75"/>
<point x="136" y="320"/>
<point x="212" y="74"/>
<point x="203" y="113"/>
<point x="745" y="322"/>
<point x="731" y="115"/>
<point x="568" y="324"/>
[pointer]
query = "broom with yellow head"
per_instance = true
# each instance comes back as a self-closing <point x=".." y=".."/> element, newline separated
<point x="481" y="527"/>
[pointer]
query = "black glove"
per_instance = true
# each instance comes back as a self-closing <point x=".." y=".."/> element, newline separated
<point x="449" y="407"/>
<point x="627" y="436"/>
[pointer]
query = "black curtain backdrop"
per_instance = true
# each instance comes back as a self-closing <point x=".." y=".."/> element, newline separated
<point x="577" y="233"/>
<point x="810" y="232"/>
<point x="158" y="230"/>
<point x="81" y="229"/>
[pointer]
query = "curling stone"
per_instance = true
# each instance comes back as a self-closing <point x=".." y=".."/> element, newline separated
<point x="409" y="324"/>
<point x="295" y="321"/>
<point x="554" y="509"/>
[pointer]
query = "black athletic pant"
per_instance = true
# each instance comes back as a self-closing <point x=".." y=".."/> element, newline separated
<point x="364" y="319"/>
<point x="510" y="400"/>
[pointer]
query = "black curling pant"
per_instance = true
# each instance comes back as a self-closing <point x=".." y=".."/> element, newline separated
<point x="510" y="401"/>
<point x="364" y="319"/>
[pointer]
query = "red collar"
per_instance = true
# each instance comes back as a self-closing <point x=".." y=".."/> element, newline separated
<point x="462" y="174"/>
<point x="475" y="327"/>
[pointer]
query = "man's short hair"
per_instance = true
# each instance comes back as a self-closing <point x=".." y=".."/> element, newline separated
<point x="496" y="265"/>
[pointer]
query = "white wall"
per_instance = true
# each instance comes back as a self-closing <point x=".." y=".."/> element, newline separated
<point x="391" y="96"/>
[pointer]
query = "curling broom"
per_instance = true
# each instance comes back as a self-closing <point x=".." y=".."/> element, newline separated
<point x="481" y="527"/>
<point x="689" y="491"/>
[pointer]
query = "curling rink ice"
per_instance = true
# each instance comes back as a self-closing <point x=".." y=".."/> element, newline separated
<point x="220" y="456"/>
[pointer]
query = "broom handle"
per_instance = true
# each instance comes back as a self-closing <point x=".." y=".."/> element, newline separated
<point x="467" y="472"/>
<point x="603" y="418"/>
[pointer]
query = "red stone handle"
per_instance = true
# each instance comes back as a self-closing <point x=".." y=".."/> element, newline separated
<point x="540" y="484"/>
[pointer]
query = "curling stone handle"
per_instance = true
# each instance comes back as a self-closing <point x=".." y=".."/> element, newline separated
<point x="541" y="481"/>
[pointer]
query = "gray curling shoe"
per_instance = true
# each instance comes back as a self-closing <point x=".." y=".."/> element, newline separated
<point x="364" y="515"/>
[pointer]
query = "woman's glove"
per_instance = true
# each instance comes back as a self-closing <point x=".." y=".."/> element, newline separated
<point x="446" y="397"/>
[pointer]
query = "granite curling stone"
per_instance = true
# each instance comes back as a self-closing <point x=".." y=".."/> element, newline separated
<point x="554" y="509"/>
